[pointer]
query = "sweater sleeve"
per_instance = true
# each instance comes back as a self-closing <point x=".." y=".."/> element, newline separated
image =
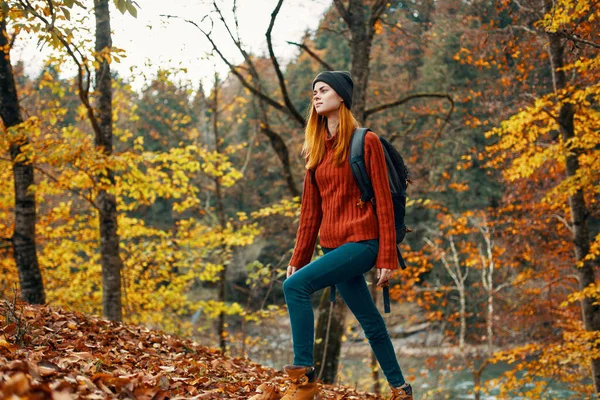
<point x="311" y="216"/>
<point x="376" y="167"/>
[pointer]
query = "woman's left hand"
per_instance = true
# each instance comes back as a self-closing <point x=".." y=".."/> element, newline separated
<point x="383" y="276"/>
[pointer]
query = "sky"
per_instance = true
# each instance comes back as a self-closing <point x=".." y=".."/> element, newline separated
<point x="152" y="40"/>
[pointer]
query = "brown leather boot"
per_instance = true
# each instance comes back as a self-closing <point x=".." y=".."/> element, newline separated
<point x="300" y="386"/>
<point x="402" y="393"/>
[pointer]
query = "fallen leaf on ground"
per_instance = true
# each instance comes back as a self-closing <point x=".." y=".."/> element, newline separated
<point x="71" y="356"/>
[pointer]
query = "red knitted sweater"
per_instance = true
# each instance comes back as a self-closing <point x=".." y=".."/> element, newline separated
<point x="331" y="206"/>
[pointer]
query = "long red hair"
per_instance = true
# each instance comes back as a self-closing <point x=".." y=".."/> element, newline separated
<point x="316" y="132"/>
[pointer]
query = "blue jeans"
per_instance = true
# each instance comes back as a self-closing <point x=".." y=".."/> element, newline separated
<point x="343" y="267"/>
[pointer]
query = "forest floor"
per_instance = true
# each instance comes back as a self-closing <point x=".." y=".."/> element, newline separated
<point x="46" y="352"/>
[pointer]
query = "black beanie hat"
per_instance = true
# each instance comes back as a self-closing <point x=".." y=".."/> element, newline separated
<point x="340" y="81"/>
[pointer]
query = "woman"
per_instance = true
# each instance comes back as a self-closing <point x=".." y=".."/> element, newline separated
<point x="353" y="237"/>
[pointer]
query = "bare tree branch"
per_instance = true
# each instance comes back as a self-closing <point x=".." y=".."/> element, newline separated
<point x="277" y="143"/>
<point x="52" y="14"/>
<point x="563" y="33"/>
<point x="89" y="198"/>
<point x="233" y="68"/>
<point x="401" y="29"/>
<point x="250" y="144"/>
<point x="376" y="12"/>
<point x="574" y="38"/>
<point x="82" y="69"/>
<point x="236" y="39"/>
<point x="396" y="135"/>
<point x="331" y="30"/>
<point x="342" y="10"/>
<point x="280" y="148"/>
<point x="519" y="27"/>
<point x="54" y="179"/>
<point x="238" y="43"/>
<point x="564" y="221"/>
<point x="236" y="21"/>
<point x="282" y="86"/>
<point x="313" y="55"/>
<point x="13" y="38"/>
<point x="405" y="99"/>
<point x="378" y="9"/>
<point x="528" y="9"/>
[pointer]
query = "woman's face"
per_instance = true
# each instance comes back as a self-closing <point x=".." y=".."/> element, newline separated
<point x="325" y="99"/>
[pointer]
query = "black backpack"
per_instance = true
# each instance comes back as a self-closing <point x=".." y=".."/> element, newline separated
<point x="398" y="177"/>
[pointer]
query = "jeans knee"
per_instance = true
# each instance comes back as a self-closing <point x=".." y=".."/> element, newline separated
<point x="287" y="286"/>
<point x="291" y="286"/>
<point x="294" y="288"/>
<point x="375" y="331"/>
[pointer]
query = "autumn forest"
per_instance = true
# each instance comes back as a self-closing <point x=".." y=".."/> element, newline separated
<point x="172" y="206"/>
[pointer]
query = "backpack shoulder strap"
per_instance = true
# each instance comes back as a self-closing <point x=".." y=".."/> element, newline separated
<point x="357" y="164"/>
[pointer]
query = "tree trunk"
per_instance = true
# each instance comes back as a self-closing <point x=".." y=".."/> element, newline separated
<point x="477" y="383"/>
<point x="222" y="219"/>
<point x="477" y="371"/>
<point x="360" y="73"/>
<point x="463" y="315"/>
<point x="490" y="322"/>
<point x="360" y="49"/>
<point x="281" y="150"/>
<point x="333" y="339"/>
<point x="221" y="320"/>
<point x="106" y="202"/>
<point x="579" y="211"/>
<point x="23" y="240"/>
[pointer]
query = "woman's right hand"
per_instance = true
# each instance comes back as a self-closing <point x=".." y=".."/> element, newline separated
<point x="291" y="270"/>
